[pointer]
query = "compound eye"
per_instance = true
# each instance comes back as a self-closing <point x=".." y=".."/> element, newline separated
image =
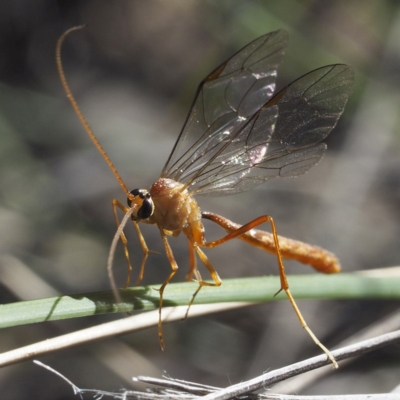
<point x="147" y="208"/>
<point x="145" y="205"/>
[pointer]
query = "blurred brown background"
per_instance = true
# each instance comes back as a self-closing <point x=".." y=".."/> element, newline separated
<point x="134" y="72"/>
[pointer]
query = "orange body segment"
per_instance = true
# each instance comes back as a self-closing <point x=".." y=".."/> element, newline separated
<point x="322" y="260"/>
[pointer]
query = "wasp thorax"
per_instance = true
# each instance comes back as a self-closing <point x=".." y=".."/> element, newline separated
<point x="144" y="204"/>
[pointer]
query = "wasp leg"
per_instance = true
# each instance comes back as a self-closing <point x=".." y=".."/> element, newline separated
<point x="117" y="204"/>
<point x="320" y="259"/>
<point x="200" y="281"/>
<point x="282" y="274"/>
<point x="192" y="263"/>
<point x="174" y="267"/>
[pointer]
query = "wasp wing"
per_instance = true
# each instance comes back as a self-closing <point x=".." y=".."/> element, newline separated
<point x="282" y="139"/>
<point x="225" y="101"/>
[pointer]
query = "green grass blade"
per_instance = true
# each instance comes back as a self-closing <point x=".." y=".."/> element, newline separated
<point x="255" y="289"/>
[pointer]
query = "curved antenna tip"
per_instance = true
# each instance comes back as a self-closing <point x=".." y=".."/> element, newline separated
<point x="76" y="107"/>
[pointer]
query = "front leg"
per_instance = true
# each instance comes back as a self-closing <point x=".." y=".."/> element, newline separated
<point x="117" y="204"/>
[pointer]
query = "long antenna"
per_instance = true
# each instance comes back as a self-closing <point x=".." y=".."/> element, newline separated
<point x="78" y="111"/>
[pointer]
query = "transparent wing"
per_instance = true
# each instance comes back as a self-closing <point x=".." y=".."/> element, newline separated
<point x="224" y="103"/>
<point x="283" y="138"/>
